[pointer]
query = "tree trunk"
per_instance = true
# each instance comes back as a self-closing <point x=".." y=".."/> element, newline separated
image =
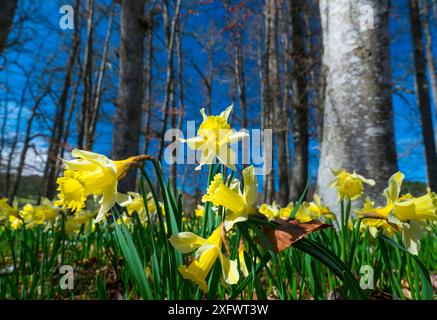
<point x="83" y="115"/>
<point x="358" y="120"/>
<point x="429" y="55"/>
<point x="7" y="13"/>
<point x="127" y="119"/>
<point x="280" y="123"/>
<point x="423" y="99"/>
<point x="300" y="103"/>
<point x="58" y="125"/>
<point x="269" y="179"/>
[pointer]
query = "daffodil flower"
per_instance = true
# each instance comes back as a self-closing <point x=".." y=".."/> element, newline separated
<point x="349" y="185"/>
<point x="238" y="204"/>
<point x="214" y="138"/>
<point x="74" y="223"/>
<point x="200" y="210"/>
<point x="402" y="214"/>
<point x="93" y="174"/>
<point x="207" y="252"/>
<point x="273" y="211"/>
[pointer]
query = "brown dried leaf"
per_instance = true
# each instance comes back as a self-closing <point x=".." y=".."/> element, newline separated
<point x="289" y="231"/>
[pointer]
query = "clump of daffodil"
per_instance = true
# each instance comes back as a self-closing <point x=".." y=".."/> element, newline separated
<point x="137" y="205"/>
<point x="11" y="213"/>
<point x="207" y="252"/>
<point x="238" y="204"/>
<point x="75" y="222"/>
<point x="312" y="210"/>
<point x="214" y="138"/>
<point x="93" y="174"/>
<point x="404" y="214"/>
<point x="46" y="212"/>
<point x="273" y="211"/>
<point x="349" y="185"/>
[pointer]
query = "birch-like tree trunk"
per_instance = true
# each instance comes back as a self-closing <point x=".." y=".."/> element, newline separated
<point x="358" y="119"/>
<point x="423" y="99"/>
<point x="127" y="118"/>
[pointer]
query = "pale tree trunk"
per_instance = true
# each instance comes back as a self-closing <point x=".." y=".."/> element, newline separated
<point x="127" y="117"/>
<point x="279" y="119"/>
<point x="429" y="55"/>
<point x="7" y="12"/>
<point x="358" y="118"/>
<point x="300" y="103"/>
<point x="423" y="99"/>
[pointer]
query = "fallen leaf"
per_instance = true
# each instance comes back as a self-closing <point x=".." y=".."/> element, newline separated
<point x="289" y="231"/>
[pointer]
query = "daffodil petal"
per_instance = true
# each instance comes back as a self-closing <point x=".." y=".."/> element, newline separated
<point x="108" y="200"/>
<point x="225" y="114"/>
<point x="237" y="136"/>
<point x="394" y="187"/>
<point x="229" y="269"/>
<point x="186" y="242"/>
<point x="250" y="186"/>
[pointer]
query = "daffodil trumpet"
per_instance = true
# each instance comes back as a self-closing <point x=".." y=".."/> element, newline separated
<point x="94" y="174"/>
<point x="207" y="252"/>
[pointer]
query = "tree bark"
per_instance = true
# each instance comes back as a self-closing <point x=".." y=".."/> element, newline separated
<point x="300" y="102"/>
<point x="358" y="119"/>
<point x="127" y="119"/>
<point x="58" y="125"/>
<point x="274" y="92"/>
<point x="423" y="99"/>
<point x="7" y="13"/>
<point x="429" y="55"/>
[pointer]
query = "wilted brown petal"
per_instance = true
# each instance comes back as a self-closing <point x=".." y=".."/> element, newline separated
<point x="289" y="231"/>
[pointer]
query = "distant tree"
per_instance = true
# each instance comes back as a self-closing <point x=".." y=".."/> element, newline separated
<point x="7" y="13"/>
<point x="127" y="117"/>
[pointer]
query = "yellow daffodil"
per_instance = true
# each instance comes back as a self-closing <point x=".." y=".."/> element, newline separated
<point x="349" y="185"/>
<point x="93" y="174"/>
<point x="318" y="209"/>
<point x="200" y="210"/>
<point x="238" y="204"/>
<point x="137" y="205"/>
<point x="304" y="214"/>
<point x="15" y="222"/>
<point x="207" y="252"/>
<point x="214" y="138"/>
<point x="7" y="210"/>
<point x="421" y="208"/>
<point x="74" y="223"/>
<point x="404" y="214"/>
<point x="11" y="213"/>
<point x="273" y="211"/>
